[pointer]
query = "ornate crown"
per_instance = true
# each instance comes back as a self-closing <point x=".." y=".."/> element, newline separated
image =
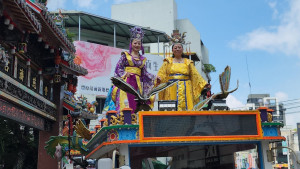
<point x="176" y="37"/>
<point x="137" y="33"/>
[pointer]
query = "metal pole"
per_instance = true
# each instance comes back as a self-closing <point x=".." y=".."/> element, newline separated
<point x="69" y="136"/>
<point x="114" y="35"/>
<point x="158" y="45"/>
<point x="79" y="28"/>
<point x="288" y="151"/>
<point x="164" y="51"/>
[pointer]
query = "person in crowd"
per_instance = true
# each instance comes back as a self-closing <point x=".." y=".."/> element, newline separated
<point x="190" y="83"/>
<point x="132" y="69"/>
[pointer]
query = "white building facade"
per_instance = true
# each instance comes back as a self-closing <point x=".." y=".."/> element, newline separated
<point x="162" y="15"/>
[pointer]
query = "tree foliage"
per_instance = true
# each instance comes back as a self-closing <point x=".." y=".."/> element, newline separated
<point x="18" y="145"/>
<point x="209" y="68"/>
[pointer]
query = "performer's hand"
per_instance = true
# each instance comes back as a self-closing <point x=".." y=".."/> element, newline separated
<point x="208" y="86"/>
<point x="128" y="74"/>
<point x="158" y="80"/>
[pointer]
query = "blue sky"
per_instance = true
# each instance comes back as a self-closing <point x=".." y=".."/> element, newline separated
<point x="266" y="32"/>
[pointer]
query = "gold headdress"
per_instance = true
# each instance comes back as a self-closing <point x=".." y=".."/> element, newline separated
<point x="176" y="37"/>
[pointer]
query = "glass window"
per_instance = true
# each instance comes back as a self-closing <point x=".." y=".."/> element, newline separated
<point x="100" y="105"/>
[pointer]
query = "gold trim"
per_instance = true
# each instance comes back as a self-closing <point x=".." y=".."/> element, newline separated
<point x="134" y="70"/>
<point x="179" y="77"/>
<point x="129" y="59"/>
<point x="144" y="62"/>
<point x="138" y="80"/>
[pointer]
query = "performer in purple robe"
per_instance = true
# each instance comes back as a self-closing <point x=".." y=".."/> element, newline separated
<point x="132" y="68"/>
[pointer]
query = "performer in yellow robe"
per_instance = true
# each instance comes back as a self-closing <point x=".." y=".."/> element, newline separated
<point x="188" y="89"/>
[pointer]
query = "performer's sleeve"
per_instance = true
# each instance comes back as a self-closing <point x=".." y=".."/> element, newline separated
<point x="162" y="74"/>
<point x="147" y="77"/>
<point x="198" y="82"/>
<point x="120" y="67"/>
<point x="148" y="80"/>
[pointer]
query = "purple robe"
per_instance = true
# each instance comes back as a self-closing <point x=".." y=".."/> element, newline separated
<point x="145" y="79"/>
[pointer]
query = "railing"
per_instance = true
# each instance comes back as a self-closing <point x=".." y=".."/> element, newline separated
<point x="278" y="118"/>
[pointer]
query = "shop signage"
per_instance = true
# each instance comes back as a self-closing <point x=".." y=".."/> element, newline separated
<point x="18" y="114"/>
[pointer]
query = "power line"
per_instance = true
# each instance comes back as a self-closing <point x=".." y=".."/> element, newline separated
<point x="291" y="107"/>
<point x="288" y="100"/>
<point x="292" y="112"/>
<point x="285" y="104"/>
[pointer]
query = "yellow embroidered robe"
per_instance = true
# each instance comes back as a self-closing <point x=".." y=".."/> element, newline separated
<point x="188" y="89"/>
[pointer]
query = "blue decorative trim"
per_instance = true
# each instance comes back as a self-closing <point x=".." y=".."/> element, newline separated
<point x="270" y="131"/>
<point x="177" y="95"/>
<point x="127" y="134"/>
<point x="178" y="80"/>
<point x="186" y="107"/>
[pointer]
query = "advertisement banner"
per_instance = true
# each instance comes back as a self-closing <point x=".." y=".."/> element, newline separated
<point x="100" y="61"/>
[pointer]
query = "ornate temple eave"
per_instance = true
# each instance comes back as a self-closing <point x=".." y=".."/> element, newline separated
<point x="53" y="35"/>
<point x="19" y="94"/>
<point x="73" y="69"/>
<point x="50" y="32"/>
<point x="76" y="110"/>
<point x="71" y="106"/>
<point x="88" y="115"/>
<point x="20" y="12"/>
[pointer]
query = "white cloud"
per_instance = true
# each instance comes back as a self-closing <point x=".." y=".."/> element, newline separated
<point x="292" y="118"/>
<point x="89" y="4"/>
<point x="56" y="4"/>
<point x="284" y="38"/>
<point x="281" y="96"/>
<point x="273" y="7"/>
<point x="234" y="103"/>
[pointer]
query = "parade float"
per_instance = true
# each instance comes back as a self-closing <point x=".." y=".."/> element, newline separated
<point x="210" y="136"/>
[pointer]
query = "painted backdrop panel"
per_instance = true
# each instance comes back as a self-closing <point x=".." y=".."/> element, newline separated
<point x="100" y="61"/>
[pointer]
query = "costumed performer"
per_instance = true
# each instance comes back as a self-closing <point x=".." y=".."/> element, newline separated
<point x="131" y="67"/>
<point x="188" y="89"/>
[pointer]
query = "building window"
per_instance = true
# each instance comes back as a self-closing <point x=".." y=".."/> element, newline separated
<point x="147" y="49"/>
<point x="100" y="105"/>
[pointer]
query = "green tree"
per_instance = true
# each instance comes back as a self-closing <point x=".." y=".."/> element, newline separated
<point x="209" y="68"/>
<point x="18" y="145"/>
